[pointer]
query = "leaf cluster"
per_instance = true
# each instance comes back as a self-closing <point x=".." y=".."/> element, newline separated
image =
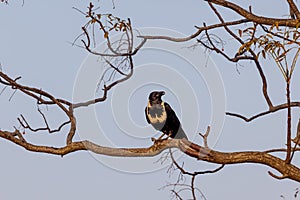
<point x="277" y="42"/>
<point x="107" y="22"/>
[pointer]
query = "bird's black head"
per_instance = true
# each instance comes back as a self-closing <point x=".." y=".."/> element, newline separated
<point x="155" y="97"/>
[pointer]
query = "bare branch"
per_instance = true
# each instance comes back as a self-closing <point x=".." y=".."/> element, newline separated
<point x="280" y="150"/>
<point x="26" y="125"/>
<point x="255" y="18"/>
<point x="35" y="93"/>
<point x="274" y="109"/>
<point x="205" y="136"/>
<point x="193" y="176"/>
<point x="293" y="9"/>
<point x="201" y="153"/>
<point x="254" y="58"/>
<point x="277" y="177"/>
<point x="197" y="33"/>
<point x="185" y="146"/>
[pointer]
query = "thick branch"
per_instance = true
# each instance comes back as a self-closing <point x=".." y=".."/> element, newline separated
<point x="191" y="149"/>
<point x="293" y="9"/>
<point x="90" y="146"/>
<point x="255" y="18"/>
<point x="286" y="169"/>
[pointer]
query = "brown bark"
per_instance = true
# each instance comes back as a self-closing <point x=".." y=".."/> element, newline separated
<point x="200" y="153"/>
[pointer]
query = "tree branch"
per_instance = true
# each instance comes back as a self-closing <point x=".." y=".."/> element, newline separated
<point x="185" y="146"/>
<point x="198" y="152"/>
<point x="293" y="9"/>
<point x="253" y="57"/>
<point x="26" y="125"/>
<point x="254" y="18"/>
<point x="194" y="35"/>
<point x="274" y="109"/>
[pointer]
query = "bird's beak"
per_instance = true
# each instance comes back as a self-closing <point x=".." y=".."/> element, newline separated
<point x="162" y="93"/>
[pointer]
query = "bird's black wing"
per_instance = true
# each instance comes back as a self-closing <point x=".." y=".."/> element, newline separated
<point x="173" y="123"/>
<point x="171" y="114"/>
<point x="147" y="116"/>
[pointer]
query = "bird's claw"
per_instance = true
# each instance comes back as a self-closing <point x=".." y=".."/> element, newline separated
<point x="158" y="139"/>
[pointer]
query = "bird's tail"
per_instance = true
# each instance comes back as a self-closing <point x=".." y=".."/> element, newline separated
<point x="180" y="134"/>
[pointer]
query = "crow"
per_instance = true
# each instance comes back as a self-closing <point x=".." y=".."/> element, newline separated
<point x="162" y="117"/>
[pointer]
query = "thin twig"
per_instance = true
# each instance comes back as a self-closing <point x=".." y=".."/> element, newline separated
<point x="273" y="110"/>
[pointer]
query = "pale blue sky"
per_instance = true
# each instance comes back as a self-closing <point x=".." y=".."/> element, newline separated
<point x="34" y="44"/>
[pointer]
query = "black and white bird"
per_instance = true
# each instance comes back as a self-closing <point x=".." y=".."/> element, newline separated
<point x="162" y="117"/>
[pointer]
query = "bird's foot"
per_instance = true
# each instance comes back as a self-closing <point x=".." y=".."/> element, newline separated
<point x="158" y="139"/>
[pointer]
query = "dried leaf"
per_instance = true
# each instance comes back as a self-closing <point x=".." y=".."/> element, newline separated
<point x="257" y="56"/>
<point x="93" y="21"/>
<point x="263" y="53"/>
<point x="297" y="25"/>
<point x="269" y="35"/>
<point x="240" y="32"/>
<point x="106" y="34"/>
<point x="277" y="25"/>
